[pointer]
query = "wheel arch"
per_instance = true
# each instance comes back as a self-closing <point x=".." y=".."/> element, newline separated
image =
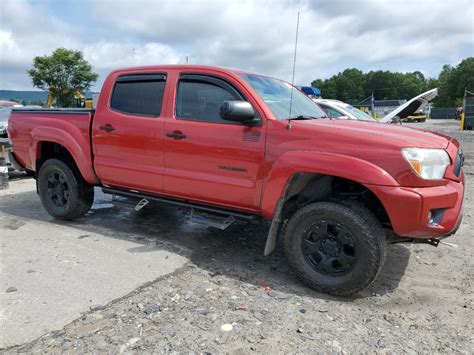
<point x="289" y="168"/>
<point x="297" y="188"/>
<point x="53" y="143"/>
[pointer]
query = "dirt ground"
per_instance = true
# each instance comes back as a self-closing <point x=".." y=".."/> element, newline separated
<point x="229" y="298"/>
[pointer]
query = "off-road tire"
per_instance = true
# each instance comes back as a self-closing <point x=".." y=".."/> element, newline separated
<point x="366" y="232"/>
<point x="80" y="193"/>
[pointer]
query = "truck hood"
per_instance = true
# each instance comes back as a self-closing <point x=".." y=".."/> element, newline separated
<point x="411" y="106"/>
<point x="377" y="134"/>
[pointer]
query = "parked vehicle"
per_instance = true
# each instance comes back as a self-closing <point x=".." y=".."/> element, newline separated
<point x="227" y="142"/>
<point x="5" y="142"/>
<point x="412" y="110"/>
<point x="80" y="100"/>
<point x="416" y="117"/>
<point x="4" y="114"/>
<point x="341" y="110"/>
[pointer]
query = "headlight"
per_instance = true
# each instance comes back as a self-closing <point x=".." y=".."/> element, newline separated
<point x="429" y="164"/>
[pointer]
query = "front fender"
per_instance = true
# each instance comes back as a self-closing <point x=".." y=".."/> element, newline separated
<point x="342" y="166"/>
<point x="75" y="142"/>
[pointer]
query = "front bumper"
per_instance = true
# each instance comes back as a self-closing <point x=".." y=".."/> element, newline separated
<point x="409" y="208"/>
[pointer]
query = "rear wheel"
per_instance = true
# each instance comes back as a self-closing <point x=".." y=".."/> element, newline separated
<point x="334" y="248"/>
<point x="63" y="191"/>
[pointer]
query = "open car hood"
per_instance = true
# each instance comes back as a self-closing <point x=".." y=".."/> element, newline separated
<point x="410" y="107"/>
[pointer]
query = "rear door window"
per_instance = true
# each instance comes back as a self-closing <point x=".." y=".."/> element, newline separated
<point x="139" y="94"/>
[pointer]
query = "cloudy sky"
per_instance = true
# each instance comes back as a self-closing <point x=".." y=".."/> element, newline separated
<point x="399" y="35"/>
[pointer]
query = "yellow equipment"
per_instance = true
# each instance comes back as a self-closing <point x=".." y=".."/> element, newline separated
<point x="416" y="117"/>
<point x="80" y="100"/>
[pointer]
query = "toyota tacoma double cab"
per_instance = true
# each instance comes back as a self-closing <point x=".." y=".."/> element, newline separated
<point x="237" y="144"/>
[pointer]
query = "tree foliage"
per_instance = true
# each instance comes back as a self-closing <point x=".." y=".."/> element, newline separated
<point x="453" y="81"/>
<point x="63" y="74"/>
<point x="354" y="85"/>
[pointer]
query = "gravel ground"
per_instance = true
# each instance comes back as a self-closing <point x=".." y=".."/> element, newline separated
<point x="229" y="298"/>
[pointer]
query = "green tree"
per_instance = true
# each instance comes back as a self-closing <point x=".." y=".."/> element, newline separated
<point x="346" y="86"/>
<point x="432" y="83"/>
<point x="462" y="78"/>
<point x="354" y="85"/>
<point x="411" y="84"/>
<point x="383" y="84"/>
<point x="444" y="98"/>
<point x="453" y="81"/>
<point x="350" y="85"/>
<point x="62" y="74"/>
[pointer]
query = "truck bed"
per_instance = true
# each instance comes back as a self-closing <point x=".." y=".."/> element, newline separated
<point x="28" y="128"/>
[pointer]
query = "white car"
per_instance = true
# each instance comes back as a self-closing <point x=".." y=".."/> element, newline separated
<point x="341" y="110"/>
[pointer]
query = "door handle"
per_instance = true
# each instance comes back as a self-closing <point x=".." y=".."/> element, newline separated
<point x="107" y="128"/>
<point x="176" y="134"/>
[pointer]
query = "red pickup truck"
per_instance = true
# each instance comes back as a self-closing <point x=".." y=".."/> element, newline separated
<point x="234" y="143"/>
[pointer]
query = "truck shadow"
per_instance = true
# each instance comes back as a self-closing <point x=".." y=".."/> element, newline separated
<point x="17" y="175"/>
<point x="236" y="252"/>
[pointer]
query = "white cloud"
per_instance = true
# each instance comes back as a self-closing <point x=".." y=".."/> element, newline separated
<point x="107" y="55"/>
<point x="259" y="36"/>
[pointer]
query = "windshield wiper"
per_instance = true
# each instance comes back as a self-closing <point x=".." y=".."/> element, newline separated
<point x="304" y="117"/>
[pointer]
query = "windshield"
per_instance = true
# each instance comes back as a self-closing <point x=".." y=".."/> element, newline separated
<point x="277" y="94"/>
<point x="358" y="113"/>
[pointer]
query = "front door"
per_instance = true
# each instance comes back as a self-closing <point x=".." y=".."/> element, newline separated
<point x="208" y="159"/>
<point x="128" y="134"/>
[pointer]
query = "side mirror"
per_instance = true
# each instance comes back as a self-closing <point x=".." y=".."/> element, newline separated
<point x="237" y="111"/>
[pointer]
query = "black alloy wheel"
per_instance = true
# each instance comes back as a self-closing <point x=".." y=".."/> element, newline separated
<point x="335" y="247"/>
<point x="63" y="191"/>
<point x="329" y="248"/>
<point x="58" y="188"/>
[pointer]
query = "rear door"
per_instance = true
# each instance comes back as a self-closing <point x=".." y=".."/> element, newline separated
<point x="127" y="133"/>
<point x="206" y="158"/>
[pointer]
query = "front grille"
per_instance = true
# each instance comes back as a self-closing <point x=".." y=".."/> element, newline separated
<point x="3" y="133"/>
<point x="459" y="163"/>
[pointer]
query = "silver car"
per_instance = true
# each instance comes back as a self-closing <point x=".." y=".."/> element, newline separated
<point x="4" y="113"/>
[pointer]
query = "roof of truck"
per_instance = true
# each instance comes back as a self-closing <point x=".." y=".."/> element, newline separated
<point x="187" y="67"/>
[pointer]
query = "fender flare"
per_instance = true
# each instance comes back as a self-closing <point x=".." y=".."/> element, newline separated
<point x="76" y="144"/>
<point x="313" y="162"/>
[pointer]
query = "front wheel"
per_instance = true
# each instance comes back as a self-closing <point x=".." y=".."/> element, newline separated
<point x="335" y="248"/>
<point x="63" y="191"/>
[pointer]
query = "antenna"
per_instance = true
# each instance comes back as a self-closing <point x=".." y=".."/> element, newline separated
<point x="294" y="67"/>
